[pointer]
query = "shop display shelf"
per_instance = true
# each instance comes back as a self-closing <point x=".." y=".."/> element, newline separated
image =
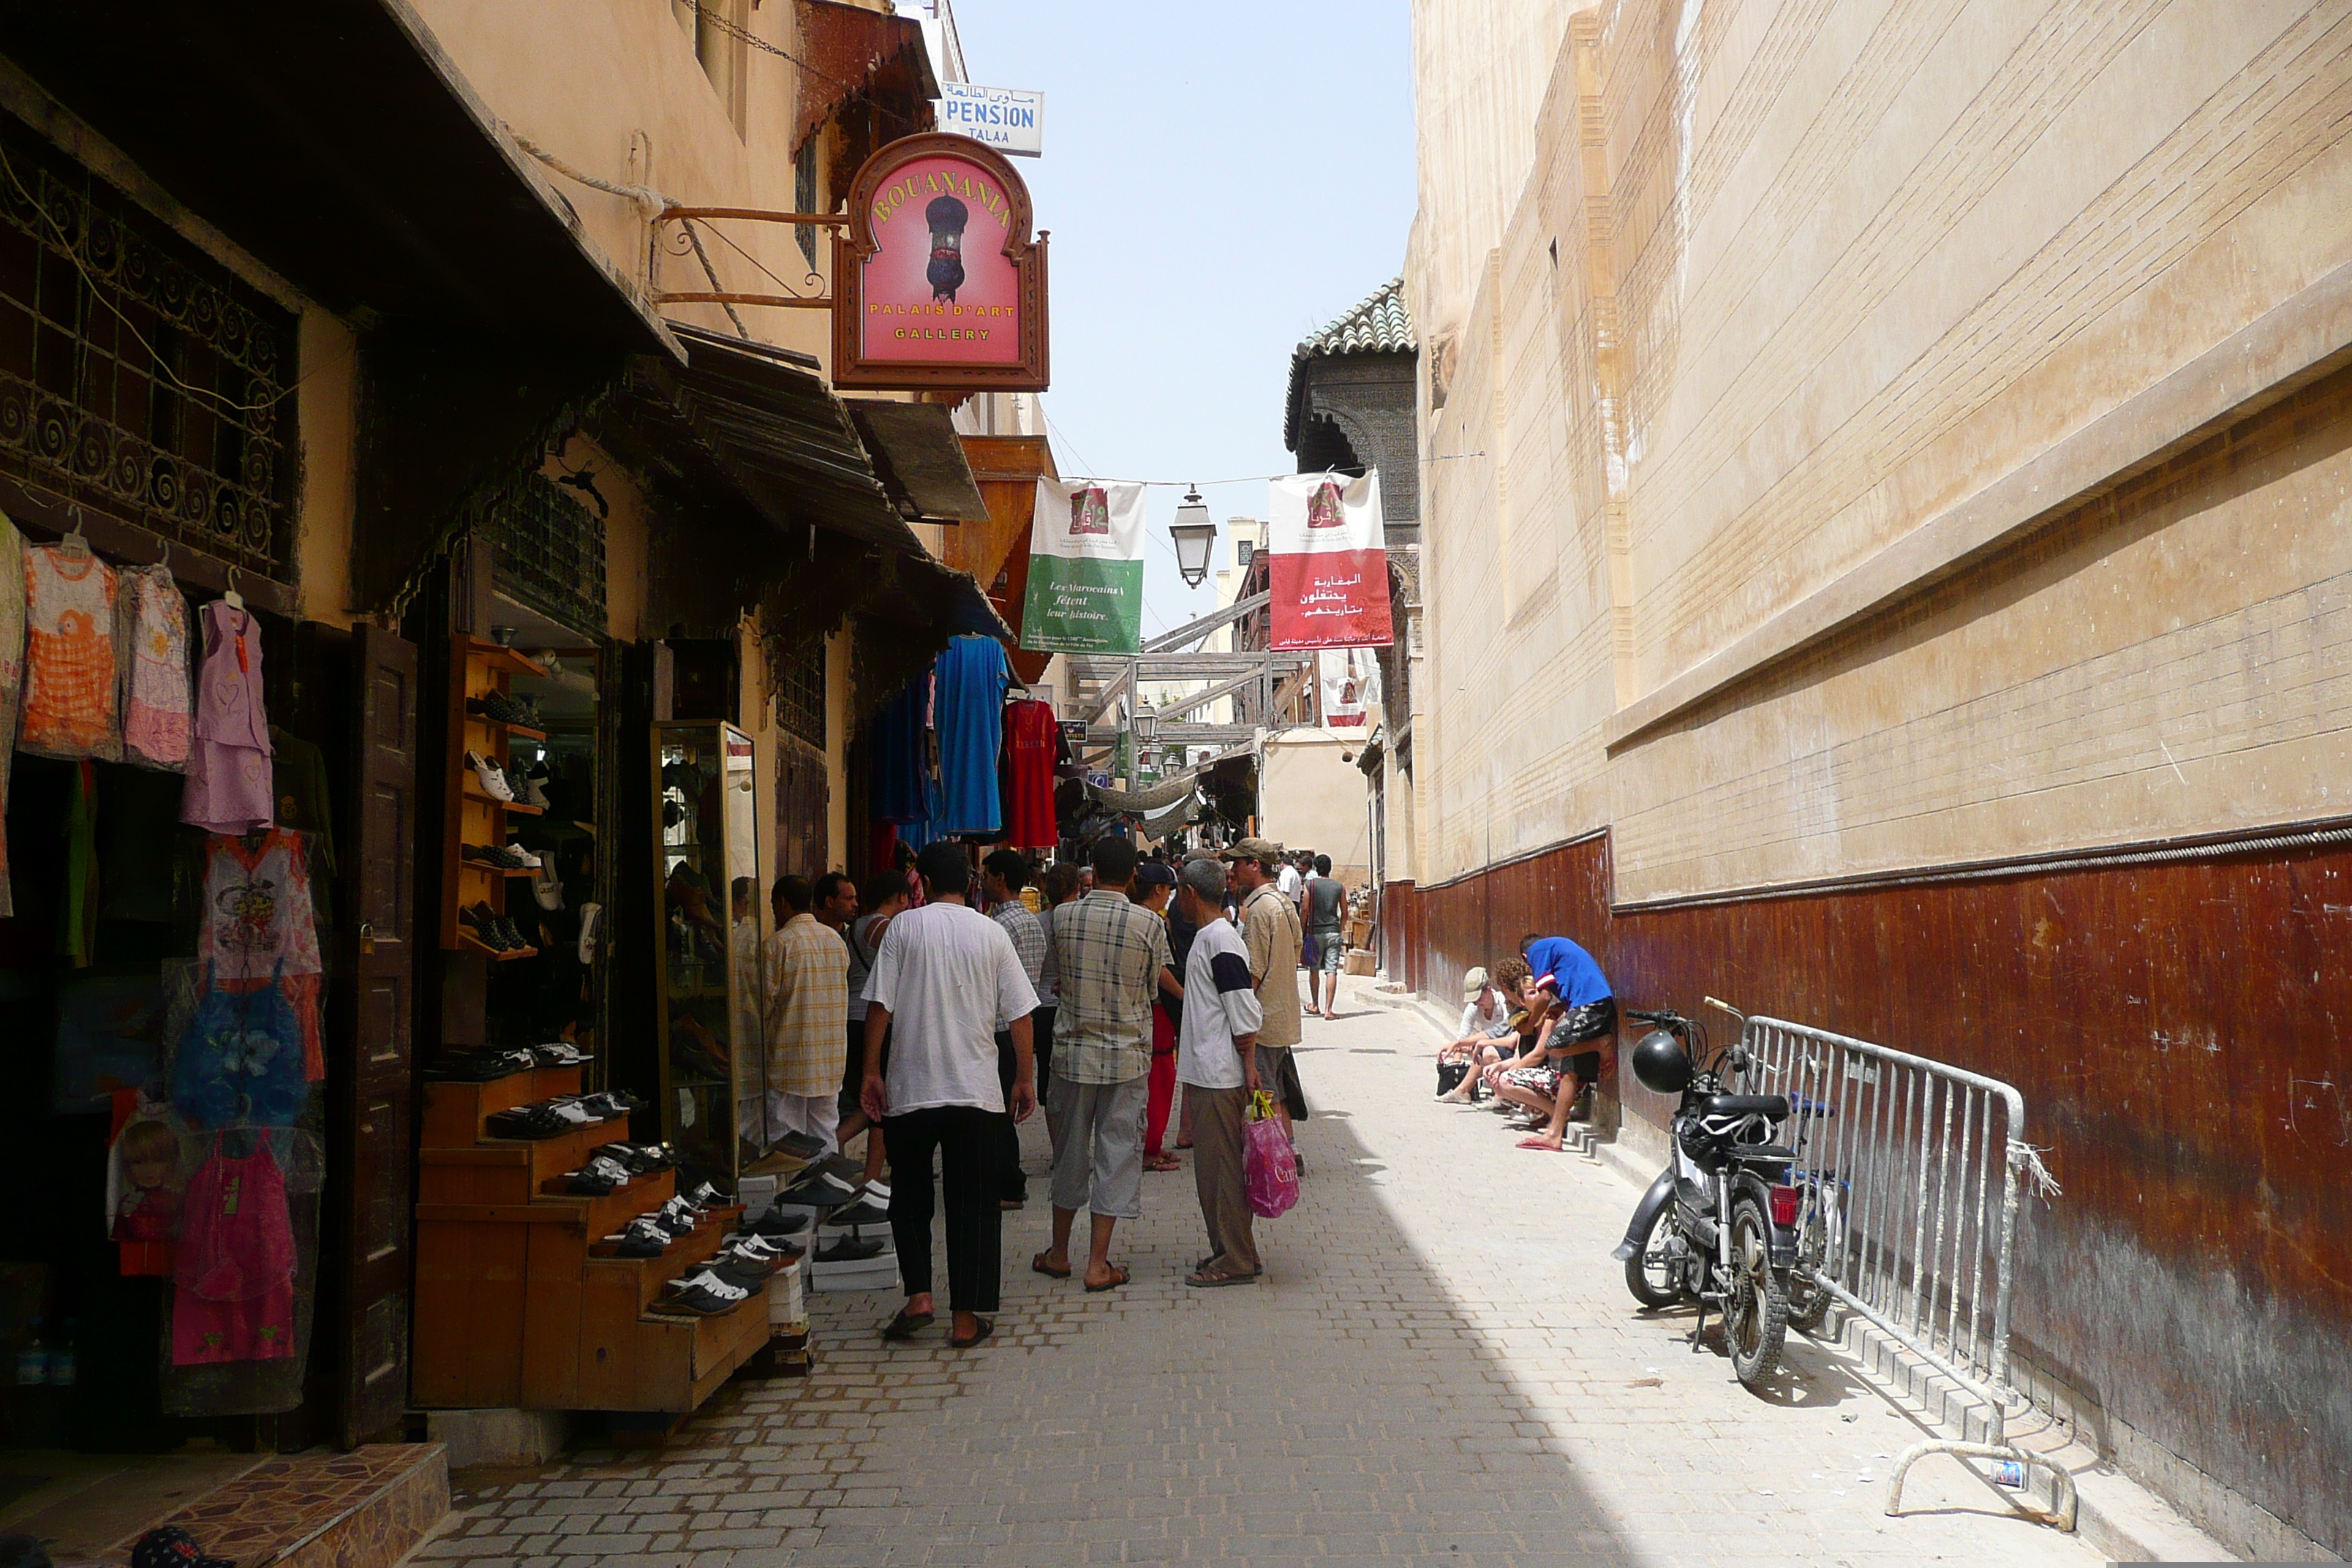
<point x="500" y="727"/>
<point x="498" y="657"/>
<point x="472" y="790"/>
<point x="487" y="869"/>
<point x="469" y="941"/>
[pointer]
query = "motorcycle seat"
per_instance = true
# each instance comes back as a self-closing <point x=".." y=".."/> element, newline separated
<point x="1772" y="1107"/>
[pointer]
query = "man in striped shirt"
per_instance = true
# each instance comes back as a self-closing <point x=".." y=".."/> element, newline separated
<point x="806" y="981"/>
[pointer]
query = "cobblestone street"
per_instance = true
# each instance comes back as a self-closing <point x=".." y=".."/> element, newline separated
<point x="1442" y="1367"/>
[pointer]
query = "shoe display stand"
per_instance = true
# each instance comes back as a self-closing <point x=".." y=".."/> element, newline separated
<point x="519" y="1302"/>
<point x="473" y="815"/>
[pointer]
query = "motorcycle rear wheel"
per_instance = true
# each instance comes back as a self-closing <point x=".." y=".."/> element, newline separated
<point x="1809" y="1304"/>
<point x="1756" y="1313"/>
<point x="1654" y="1278"/>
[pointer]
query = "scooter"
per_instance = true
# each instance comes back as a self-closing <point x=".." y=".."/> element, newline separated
<point x="1719" y="1225"/>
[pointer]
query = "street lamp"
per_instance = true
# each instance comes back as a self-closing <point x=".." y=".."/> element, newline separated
<point x="1194" y="532"/>
<point x="1146" y="723"/>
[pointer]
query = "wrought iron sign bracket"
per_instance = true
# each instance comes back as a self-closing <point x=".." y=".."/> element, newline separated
<point x="675" y="235"/>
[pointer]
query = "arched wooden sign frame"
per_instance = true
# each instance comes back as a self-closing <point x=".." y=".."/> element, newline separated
<point x="988" y="173"/>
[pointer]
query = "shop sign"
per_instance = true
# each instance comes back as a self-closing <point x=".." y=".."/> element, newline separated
<point x="1005" y="118"/>
<point x="1086" y="568"/>
<point x="937" y="284"/>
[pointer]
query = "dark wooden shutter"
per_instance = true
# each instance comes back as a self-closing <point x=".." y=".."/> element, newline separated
<point x="804" y="799"/>
<point x="381" y="932"/>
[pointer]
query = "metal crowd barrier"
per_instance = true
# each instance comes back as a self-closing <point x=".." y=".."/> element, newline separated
<point x="1928" y="1165"/>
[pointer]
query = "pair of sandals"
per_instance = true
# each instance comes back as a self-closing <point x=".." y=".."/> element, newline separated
<point x="1119" y="1274"/>
<point x="1204" y="1277"/>
<point x="907" y="1325"/>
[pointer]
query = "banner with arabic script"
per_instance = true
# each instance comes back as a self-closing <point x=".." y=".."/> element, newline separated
<point x="1086" y="568"/>
<point x="1349" y="678"/>
<point x="1330" y="572"/>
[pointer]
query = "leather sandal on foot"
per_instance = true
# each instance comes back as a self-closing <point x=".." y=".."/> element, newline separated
<point x="987" y="1327"/>
<point x="907" y="1325"/>
<point x="1206" y="1280"/>
<point x="1038" y="1265"/>
<point x="1119" y="1277"/>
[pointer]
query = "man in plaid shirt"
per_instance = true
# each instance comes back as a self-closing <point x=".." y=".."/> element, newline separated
<point x="1112" y="953"/>
<point x="1001" y="877"/>
<point x="805" y="980"/>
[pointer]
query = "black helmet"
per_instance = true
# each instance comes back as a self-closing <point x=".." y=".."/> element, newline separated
<point x="1662" y="1063"/>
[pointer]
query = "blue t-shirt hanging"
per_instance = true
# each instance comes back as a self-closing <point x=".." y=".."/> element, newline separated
<point x="971" y="721"/>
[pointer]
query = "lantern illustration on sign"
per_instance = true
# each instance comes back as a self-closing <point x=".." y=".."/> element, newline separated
<point x="947" y="217"/>
<point x="1090" y="510"/>
<point x="1323" y="506"/>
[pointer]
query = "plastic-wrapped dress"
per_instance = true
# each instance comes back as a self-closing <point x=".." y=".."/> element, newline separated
<point x="231" y="787"/>
<point x="156" y="698"/>
<point x="235" y="1300"/>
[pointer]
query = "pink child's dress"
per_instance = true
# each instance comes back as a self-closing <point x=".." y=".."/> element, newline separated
<point x="231" y="784"/>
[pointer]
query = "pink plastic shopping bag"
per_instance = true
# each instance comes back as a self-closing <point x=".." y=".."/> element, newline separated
<point x="1270" y="1169"/>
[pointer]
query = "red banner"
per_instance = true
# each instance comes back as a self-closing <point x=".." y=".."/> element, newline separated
<point x="1330" y="572"/>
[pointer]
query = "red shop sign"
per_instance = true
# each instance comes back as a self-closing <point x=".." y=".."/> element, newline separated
<point x="937" y="284"/>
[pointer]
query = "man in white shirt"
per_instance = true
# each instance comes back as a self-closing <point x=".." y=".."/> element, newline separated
<point x="1289" y="881"/>
<point x="1216" y="1061"/>
<point x="946" y="979"/>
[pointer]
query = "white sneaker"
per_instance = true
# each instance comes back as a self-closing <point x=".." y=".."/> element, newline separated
<point x="494" y="782"/>
<point x="530" y="861"/>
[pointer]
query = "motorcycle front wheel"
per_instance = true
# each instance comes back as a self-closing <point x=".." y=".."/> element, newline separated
<point x="1654" y="1278"/>
<point x="1756" y="1312"/>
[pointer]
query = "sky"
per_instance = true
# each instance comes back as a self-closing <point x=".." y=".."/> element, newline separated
<point x="1220" y="179"/>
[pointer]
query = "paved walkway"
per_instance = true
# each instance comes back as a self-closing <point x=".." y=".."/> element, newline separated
<point x="1442" y="1367"/>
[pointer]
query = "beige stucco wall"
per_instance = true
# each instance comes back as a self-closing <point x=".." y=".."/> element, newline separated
<point x="612" y="88"/>
<point x="1772" y="296"/>
<point x="1308" y="799"/>
<point x="326" y="430"/>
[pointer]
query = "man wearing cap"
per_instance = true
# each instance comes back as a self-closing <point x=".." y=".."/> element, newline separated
<point x="1112" y="953"/>
<point x="1270" y="930"/>
<point x="1216" y="1060"/>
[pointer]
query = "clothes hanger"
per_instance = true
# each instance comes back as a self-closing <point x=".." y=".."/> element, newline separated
<point x="230" y="596"/>
<point x="75" y="544"/>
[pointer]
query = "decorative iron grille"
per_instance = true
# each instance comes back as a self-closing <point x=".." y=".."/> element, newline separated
<point x="550" y="551"/>
<point x="796" y="675"/>
<point x="139" y="377"/>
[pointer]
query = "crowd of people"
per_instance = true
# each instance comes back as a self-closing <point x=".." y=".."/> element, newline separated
<point x="934" y="1012"/>
<point x="1532" y="1036"/>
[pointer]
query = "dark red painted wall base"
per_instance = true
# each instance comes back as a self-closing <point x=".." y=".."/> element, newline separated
<point x="2177" y="1030"/>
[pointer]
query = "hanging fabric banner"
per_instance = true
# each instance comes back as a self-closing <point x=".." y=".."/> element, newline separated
<point x="1329" y="574"/>
<point x="1085" y="569"/>
<point x="1349" y="678"/>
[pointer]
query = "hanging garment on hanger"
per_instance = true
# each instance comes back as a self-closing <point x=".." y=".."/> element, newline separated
<point x="230" y="780"/>
<point x="156" y="702"/>
<point x="1031" y="739"/>
<point x="240" y="1062"/>
<point x="234" y="1275"/>
<point x="258" y="926"/>
<point x="971" y="721"/>
<point x="71" y="708"/>
<point x="11" y="680"/>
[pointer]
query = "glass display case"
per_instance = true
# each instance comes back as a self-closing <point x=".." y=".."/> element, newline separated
<point x="713" y="918"/>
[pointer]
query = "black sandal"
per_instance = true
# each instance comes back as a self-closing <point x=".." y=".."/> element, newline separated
<point x="987" y="1327"/>
<point x="907" y="1325"/>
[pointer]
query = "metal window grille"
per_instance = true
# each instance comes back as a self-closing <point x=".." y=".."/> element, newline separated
<point x="550" y="552"/>
<point x="796" y="676"/>
<point x="139" y="377"/>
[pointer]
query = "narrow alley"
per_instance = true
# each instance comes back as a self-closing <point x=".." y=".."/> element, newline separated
<point x="1442" y="1367"/>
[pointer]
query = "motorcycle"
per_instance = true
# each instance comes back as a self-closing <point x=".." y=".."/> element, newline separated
<point x="1721" y="1225"/>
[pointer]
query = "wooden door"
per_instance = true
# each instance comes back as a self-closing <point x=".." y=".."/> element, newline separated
<point x="381" y="960"/>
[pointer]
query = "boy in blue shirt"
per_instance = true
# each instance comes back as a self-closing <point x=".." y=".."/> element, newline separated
<point x="1583" y="1008"/>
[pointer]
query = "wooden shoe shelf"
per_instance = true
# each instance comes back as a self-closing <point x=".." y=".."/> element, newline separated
<point x="520" y="1303"/>
<point x="473" y="815"/>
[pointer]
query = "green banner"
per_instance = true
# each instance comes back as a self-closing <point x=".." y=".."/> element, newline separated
<point x="1076" y="604"/>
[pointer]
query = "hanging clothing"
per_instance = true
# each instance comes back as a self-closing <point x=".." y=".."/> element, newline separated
<point x="156" y="700"/>
<point x="230" y="782"/>
<point x="235" y="1300"/>
<point x="258" y="927"/>
<point x="69" y="702"/>
<point x="12" y="680"/>
<point x="1033" y="739"/>
<point x="971" y="722"/>
<point x="903" y="791"/>
<point x="240" y="1062"/>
